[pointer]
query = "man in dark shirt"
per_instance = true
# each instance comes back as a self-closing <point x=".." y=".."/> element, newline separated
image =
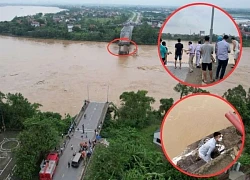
<point x="178" y="52"/>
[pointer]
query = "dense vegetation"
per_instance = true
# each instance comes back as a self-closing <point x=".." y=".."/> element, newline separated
<point x="145" y="34"/>
<point x="101" y="29"/>
<point x="40" y="131"/>
<point x="88" y="27"/>
<point x="129" y="129"/>
<point x="132" y="154"/>
<point x="149" y="16"/>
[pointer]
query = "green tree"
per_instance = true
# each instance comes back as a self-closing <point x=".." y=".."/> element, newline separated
<point x="186" y="90"/>
<point x="165" y="105"/>
<point x="135" y="108"/>
<point x="239" y="98"/>
<point x="76" y="29"/>
<point x="182" y="89"/>
<point x="36" y="140"/>
<point x="16" y="109"/>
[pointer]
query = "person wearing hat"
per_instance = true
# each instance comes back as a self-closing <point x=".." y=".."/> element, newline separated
<point x="220" y="38"/>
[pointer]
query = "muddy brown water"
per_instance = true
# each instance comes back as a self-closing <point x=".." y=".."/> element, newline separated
<point x="191" y="120"/>
<point x="56" y="73"/>
<point x="7" y="13"/>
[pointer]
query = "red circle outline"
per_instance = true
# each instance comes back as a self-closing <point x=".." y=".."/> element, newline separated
<point x="125" y="39"/>
<point x="235" y="24"/>
<point x="209" y="175"/>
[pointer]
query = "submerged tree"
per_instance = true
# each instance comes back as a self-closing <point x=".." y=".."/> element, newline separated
<point x="186" y="90"/>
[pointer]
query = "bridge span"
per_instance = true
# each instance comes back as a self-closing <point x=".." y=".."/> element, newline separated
<point x="95" y="114"/>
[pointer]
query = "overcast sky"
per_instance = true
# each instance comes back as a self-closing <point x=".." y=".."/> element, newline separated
<point x="198" y="18"/>
<point x="222" y="3"/>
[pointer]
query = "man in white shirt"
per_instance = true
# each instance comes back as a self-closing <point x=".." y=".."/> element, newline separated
<point x="206" y="149"/>
<point x="206" y="53"/>
<point x="198" y="54"/>
<point x="236" y="49"/>
<point x="223" y="49"/>
<point x="191" y="52"/>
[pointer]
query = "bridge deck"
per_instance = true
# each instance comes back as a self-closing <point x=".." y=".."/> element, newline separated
<point x="95" y="113"/>
<point x="126" y="32"/>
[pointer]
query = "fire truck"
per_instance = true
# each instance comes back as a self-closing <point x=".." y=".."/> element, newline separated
<point x="48" y="167"/>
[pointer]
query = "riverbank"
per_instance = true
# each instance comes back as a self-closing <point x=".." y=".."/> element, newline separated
<point x="73" y="40"/>
<point x="196" y="38"/>
<point x="60" y="76"/>
<point x="246" y="43"/>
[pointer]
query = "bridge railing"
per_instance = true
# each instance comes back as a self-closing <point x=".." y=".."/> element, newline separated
<point x="126" y="32"/>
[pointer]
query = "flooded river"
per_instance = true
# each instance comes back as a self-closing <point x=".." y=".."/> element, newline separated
<point x="56" y="73"/>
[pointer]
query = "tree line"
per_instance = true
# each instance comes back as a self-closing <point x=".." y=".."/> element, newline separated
<point x="92" y="29"/>
<point x="39" y="131"/>
<point x="129" y="129"/>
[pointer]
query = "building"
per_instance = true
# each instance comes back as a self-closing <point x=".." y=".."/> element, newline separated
<point x="35" y="24"/>
<point x="70" y="28"/>
<point x="78" y="25"/>
<point x="157" y="138"/>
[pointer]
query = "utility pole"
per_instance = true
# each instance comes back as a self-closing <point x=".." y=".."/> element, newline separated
<point x="88" y="91"/>
<point x="212" y="24"/>
<point x="108" y="94"/>
<point x="3" y="124"/>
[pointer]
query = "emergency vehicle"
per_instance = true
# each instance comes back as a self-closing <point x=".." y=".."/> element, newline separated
<point x="48" y="167"/>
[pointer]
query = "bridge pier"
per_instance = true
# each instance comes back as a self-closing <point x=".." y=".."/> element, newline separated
<point x="123" y="50"/>
<point x="126" y="35"/>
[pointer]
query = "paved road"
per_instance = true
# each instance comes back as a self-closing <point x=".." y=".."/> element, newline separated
<point x="178" y="73"/>
<point x="94" y="113"/>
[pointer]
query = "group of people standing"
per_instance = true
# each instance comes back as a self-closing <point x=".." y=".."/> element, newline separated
<point x="204" y="53"/>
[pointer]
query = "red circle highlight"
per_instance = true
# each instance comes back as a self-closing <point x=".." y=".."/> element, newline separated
<point x="124" y="39"/>
<point x="235" y="24"/>
<point x="209" y="175"/>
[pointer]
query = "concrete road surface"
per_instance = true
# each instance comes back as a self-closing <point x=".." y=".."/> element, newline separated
<point x="93" y="115"/>
<point x="182" y="73"/>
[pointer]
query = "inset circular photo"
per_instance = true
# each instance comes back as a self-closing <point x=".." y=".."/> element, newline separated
<point x="199" y="44"/>
<point x="202" y="135"/>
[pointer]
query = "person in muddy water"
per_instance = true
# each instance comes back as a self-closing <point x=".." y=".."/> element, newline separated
<point x="208" y="148"/>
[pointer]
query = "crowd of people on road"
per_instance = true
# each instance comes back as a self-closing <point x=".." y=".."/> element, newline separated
<point x="203" y="54"/>
<point x="85" y="148"/>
